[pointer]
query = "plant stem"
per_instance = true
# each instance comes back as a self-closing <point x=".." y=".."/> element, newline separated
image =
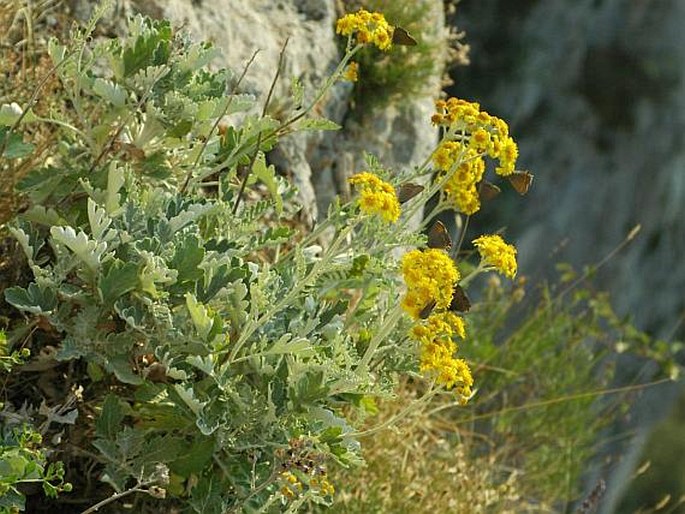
<point x="216" y="122"/>
<point x="252" y="326"/>
<point x="114" y="497"/>
<point x="412" y="406"/>
<point x="388" y="323"/>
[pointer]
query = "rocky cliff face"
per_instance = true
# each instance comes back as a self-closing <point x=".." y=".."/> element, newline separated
<point x="595" y="91"/>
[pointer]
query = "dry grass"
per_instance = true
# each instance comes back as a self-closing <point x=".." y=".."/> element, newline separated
<point x="424" y="466"/>
<point x="24" y="64"/>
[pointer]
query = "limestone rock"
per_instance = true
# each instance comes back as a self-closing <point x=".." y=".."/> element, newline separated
<point x="595" y="94"/>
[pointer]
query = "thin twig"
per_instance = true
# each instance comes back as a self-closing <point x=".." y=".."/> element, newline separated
<point x="281" y="57"/>
<point x="462" y="236"/>
<point x="553" y="401"/>
<point x="593" y="269"/>
<point x="259" y="136"/>
<point x="247" y="174"/>
<point x="234" y="89"/>
<point x="124" y="123"/>
<point x="115" y="497"/>
<point x="32" y="101"/>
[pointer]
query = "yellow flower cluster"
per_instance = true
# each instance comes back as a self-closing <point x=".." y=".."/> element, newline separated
<point x="486" y="134"/>
<point x="435" y="335"/>
<point x="369" y="28"/>
<point x="351" y="73"/>
<point x="322" y="486"/>
<point x="496" y="253"/>
<point x="376" y="196"/>
<point x="291" y="485"/>
<point x="430" y="275"/>
<point x="461" y="188"/>
<point x="439" y="327"/>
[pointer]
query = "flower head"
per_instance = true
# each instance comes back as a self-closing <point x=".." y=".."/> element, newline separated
<point x="351" y="73"/>
<point x="496" y="253"/>
<point x="437" y="359"/>
<point x="376" y="196"/>
<point x="369" y="28"/>
<point x="483" y="133"/>
<point x="430" y="276"/>
<point x="466" y="168"/>
<point x="441" y="326"/>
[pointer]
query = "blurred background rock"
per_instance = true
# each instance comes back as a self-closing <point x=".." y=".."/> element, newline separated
<point x="595" y="93"/>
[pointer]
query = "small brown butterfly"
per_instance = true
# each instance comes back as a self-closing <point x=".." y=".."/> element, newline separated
<point x="426" y="311"/>
<point x="521" y="181"/>
<point x="460" y="302"/>
<point x="401" y="37"/>
<point x="408" y="191"/>
<point x="488" y="191"/>
<point x="438" y="237"/>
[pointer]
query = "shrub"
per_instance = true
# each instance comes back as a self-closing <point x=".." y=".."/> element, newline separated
<point x="192" y="341"/>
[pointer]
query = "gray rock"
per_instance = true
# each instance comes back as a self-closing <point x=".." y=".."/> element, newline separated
<point x="595" y="93"/>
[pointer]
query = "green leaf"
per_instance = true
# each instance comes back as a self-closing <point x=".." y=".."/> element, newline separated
<point x="13" y="144"/>
<point x="108" y="425"/>
<point x="296" y="91"/>
<point x="33" y="299"/>
<point x="9" y="114"/>
<point x="317" y="124"/>
<point x="180" y="129"/>
<point x="189" y="254"/>
<point x="89" y="251"/>
<point x="240" y="103"/>
<point x="120" y="278"/>
<point x="267" y="174"/>
<point x="155" y="165"/>
<point x="42" y="183"/>
<point x="99" y="221"/>
<point x="190" y="214"/>
<point x="115" y="179"/>
<point x="205" y="497"/>
<point x="195" y="458"/>
<point x="275" y="235"/>
<point x="12" y="500"/>
<point x="42" y="216"/>
<point x="286" y="344"/>
<point x="121" y="367"/>
<point x="151" y="48"/>
<point x="200" y="315"/>
<point x="309" y="389"/>
<point x="205" y="364"/>
<point x="56" y="51"/>
<point x="110" y="91"/>
<point x="133" y="315"/>
<point x="187" y="395"/>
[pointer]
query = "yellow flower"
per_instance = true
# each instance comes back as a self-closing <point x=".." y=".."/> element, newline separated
<point x="351" y="73"/>
<point x="430" y="276"/>
<point x="441" y="326"/>
<point x="508" y="153"/>
<point x="369" y="28"/>
<point x="486" y="134"/>
<point x="496" y="253"/>
<point x="376" y="196"/>
<point x="461" y="188"/>
<point x="435" y="335"/>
